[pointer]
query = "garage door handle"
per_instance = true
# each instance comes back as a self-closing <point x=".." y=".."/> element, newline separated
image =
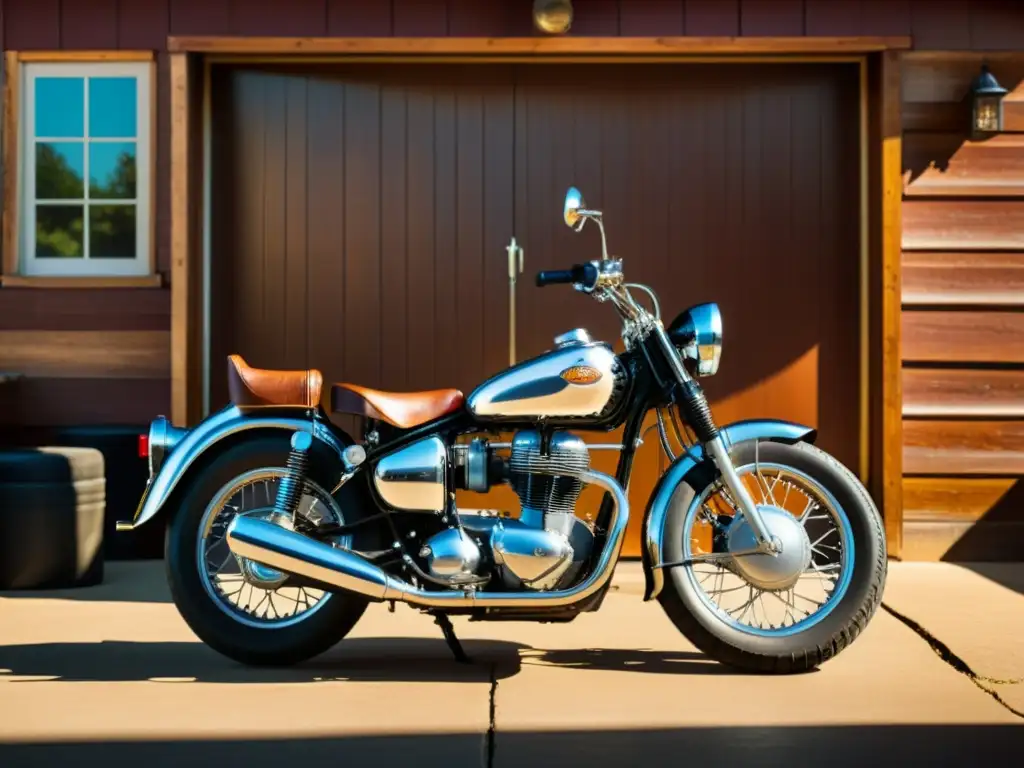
<point x="514" y="251"/>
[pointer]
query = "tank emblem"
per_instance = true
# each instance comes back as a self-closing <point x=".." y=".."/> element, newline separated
<point x="581" y="374"/>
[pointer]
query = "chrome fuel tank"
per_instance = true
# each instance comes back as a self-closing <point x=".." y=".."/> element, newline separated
<point x="577" y="378"/>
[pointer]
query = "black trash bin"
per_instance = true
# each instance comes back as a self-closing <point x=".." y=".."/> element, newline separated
<point x="126" y="474"/>
<point x="51" y="517"/>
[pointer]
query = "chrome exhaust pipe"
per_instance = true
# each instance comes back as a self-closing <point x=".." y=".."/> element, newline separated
<point x="294" y="553"/>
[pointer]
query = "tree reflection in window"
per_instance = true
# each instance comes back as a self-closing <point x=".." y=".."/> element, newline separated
<point x="60" y="227"/>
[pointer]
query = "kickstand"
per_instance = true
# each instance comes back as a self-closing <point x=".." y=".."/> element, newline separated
<point x="442" y="620"/>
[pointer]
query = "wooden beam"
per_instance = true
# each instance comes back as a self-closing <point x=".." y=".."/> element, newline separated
<point x="981" y="279"/>
<point x="82" y="56"/>
<point x="86" y="354"/>
<point x="476" y="46"/>
<point x="891" y="293"/>
<point x="953" y="393"/>
<point x="963" y="447"/>
<point x="11" y="116"/>
<point x="182" y="276"/>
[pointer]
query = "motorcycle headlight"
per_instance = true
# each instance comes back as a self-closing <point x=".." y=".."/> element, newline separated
<point x="697" y="334"/>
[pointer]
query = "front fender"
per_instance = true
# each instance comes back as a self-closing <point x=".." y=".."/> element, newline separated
<point x="658" y="506"/>
<point x="208" y="433"/>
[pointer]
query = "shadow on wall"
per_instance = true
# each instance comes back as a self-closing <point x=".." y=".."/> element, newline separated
<point x="998" y="536"/>
<point x="834" y="746"/>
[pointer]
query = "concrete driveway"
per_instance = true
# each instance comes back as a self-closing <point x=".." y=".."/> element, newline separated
<point x="111" y="676"/>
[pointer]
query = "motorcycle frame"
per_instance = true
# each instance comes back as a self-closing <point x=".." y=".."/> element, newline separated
<point x="648" y="388"/>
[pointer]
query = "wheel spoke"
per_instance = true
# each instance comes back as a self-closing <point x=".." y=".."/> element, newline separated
<point x="719" y="576"/>
<point x="250" y="592"/>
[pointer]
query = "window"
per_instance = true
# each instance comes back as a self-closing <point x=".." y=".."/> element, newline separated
<point x="85" y="169"/>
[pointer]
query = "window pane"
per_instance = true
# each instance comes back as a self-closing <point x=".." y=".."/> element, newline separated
<point x="112" y="170"/>
<point x="59" y="170"/>
<point x="58" y="231"/>
<point x="60" y="107"/>
<point x="111" y="231"/>
<point x="112" y="106"/>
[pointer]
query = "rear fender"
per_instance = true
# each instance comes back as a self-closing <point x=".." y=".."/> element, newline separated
<point x="660" y="501"/>
<point x="211" y="432"/>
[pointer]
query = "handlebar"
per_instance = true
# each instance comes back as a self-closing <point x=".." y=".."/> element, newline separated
<point x="579" y="273"/>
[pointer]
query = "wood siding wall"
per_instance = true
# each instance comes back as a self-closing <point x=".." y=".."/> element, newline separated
<point x="963" y="318"/>
<point x="962" y="227"/>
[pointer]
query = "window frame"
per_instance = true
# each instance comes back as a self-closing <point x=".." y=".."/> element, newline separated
<point x="142" y="263"/>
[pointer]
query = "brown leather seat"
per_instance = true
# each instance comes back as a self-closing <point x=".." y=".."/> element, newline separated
<point x="249" y="387"/>
<point x="401" y="409"/>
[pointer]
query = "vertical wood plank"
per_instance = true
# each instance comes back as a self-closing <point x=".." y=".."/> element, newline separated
<point x="181" y="259"/>
<point x="833" y="17"/>
<point x="273" y="221"/>
<point x="249" y="179"/>
<point x="597" y="18"/>
<point x="143" y="26"/>
<point x="200" y="17"/>
<point x="446" y="227"/>
<point x="394" y="201"/>
<point x="892" y="355"/>
<point x="356" y="18"/>
<point x="363" y="308"/>
<point x="32" y="25"/>
<point x="712" y="18"/>
<point x="419" y="18"/>
<point x="469" y="246"/>
<point x="469" y="18"/>
<point x="997" y="25"/>
<point x="88" y="25"/>
<point x="498" y="226"/>
<point x="327" y="225"/>
<point x="941" y="26"/>
<point x="295" y="18"/>
<point x="651" y="18"/>
<point x="422" y="326"/>
<point x="885" y="17"/>
<point x="772" y="18"/>
<point x="11" y="134"/>
<point x="296" y="220"/>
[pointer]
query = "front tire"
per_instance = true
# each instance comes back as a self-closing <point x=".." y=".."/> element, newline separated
<point x="790" y="649"/>
<point x="246" y="641"/>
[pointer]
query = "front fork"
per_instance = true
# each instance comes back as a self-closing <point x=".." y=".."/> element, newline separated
<point x="699" y="415"/>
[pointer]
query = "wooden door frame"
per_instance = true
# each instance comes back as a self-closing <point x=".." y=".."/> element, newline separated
<point x="878" y="60"/>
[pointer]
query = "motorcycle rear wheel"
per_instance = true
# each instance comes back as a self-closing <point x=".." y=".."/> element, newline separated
<point x="843" y="613"/>
<point x="250" y="642"/>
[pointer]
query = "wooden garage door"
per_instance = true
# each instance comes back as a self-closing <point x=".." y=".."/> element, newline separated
<point x="361" y="215"/>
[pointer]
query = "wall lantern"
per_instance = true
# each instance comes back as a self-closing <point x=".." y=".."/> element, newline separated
<point x="552" y="16"/>
<point x="986" y="104"/>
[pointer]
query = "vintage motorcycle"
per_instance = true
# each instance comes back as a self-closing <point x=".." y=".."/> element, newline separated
<point x="764" y="551"/>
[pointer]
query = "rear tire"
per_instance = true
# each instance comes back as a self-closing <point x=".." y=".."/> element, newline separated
<point x="252" y="645"/>
<point x="802" y="650"/>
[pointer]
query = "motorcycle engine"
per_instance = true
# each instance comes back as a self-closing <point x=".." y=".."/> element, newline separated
<point x="546" y="547"/>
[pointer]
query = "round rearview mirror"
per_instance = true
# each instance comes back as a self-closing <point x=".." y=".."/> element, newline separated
<point x="571" y="212"/>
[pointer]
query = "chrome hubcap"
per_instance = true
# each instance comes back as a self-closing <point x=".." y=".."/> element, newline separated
<point x="252" y="593"/>
<point x="769" y="595"/>
<point x="765" y="571"/>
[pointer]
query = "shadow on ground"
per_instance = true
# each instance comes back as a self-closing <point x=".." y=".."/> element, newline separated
<point x="1009" y="575"/>
<point x="358" y="659"/>
<point x="833" y="746"/>
<point x="142" y="581"/>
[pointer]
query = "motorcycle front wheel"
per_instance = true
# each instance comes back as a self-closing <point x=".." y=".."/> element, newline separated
<point x="774" y="614"/>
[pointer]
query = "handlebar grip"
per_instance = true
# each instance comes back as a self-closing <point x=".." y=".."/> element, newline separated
<point x="553" y="276"/>
<point x="585" y="274"/>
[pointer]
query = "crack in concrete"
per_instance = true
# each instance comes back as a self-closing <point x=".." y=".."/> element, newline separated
<point x="946" y="653"/>
<point x="489" y="742"/>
